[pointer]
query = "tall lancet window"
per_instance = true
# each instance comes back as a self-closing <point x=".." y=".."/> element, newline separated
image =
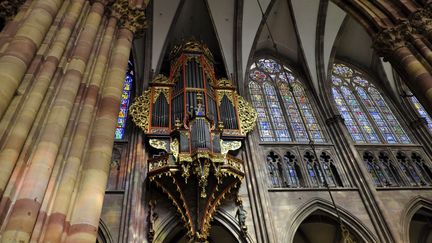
<point x="421" y="111"/>
<point x="367" y="115"/>
<point x="124" y="104"/>
<point x="282" y="104"/>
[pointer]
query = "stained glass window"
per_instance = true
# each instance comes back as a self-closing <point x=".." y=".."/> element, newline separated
<point x="124" y="103"/>
<point x="367" y="115"/>
<point x="421" y="111"/>
<point x="274" y="91"/>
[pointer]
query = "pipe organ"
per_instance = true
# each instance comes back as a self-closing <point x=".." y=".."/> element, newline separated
<point x="196" y="119"/>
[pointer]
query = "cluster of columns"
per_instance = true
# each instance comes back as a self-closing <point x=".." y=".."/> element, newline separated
<point x="62" y="68"/>
<point x="408" y="47"/>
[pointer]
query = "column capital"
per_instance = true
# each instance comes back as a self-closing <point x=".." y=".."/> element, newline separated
<point x="9" y="8"/>
<point x="130" y="17"/>
<point x="390" y="39"/>
<point x="421" y="20"/>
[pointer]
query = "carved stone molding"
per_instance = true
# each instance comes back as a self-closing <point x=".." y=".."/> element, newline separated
<point x="130" y="17"/>
<point x="421" y="20"/>
<point x="9" y="8"/>
<point x="389" y="40"/>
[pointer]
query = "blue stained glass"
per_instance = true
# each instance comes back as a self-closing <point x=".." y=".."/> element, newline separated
<point x="352" y="81"/>
<point x="124" y="102"/>
<point x="257" y="75"/>
<point x="342" y="70"/>
<point x="305" y="111"/>
<point x="266" y="132"/>
<point x="269" y="65"/>
<point x="421" y="111"/>
<point x="374" y="112"/>
<point x="276" y="116"/>
<point x="396" y="128"/>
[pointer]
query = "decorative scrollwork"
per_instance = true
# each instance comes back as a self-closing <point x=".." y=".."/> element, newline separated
<point x="191" y="46"/>
<point x="247" y="115"/>
<point x="158" y="144"/>
<point x="160" y="79"/>
<point x="174" y="147"/>
<point x="164" y="91"/>
<point x="229" y="145"/>
<point x="140" y="111"/>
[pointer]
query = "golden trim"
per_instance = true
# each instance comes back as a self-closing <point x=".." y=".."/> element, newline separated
<point x="140" y="111"/>
<point x="247" y="115"/>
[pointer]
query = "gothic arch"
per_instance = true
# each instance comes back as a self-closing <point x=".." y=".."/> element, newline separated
<point x="171" y="226"/>
<point x="415" y="205"/>
<point x="318" y="204"/>
<point x="103" y="233"/>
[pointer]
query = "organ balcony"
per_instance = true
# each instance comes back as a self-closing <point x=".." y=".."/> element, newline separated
<point x="196" y="119"/>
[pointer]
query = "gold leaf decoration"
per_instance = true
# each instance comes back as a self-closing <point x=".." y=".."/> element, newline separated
<point x="158" y="144"/>
<point x="229" y="145"/>
<point x="140" y="111"/>
<point x="174" y="147"/>
<point x="160" y="79"/>
<point x="247" y="115"/>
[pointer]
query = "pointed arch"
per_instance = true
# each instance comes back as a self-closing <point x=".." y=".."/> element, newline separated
<point x="414" y="205"/>
<point x="318" y="204"/>
<point x="103" y="233"/>
<point x="171" y="226"/>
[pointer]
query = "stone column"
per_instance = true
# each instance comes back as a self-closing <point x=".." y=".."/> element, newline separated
<point x="422" y="21"/>
<point x="56" y="222"/>
<point x="392" y="44"/>
<point x="22" y="48"/>
<point x="28" y="203"/>
<point x="23" y="123"/>
<point x="11" y="26"/>
<point x="89" y="200"/>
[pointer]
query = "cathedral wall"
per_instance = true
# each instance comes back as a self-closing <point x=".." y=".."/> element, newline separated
<point x="395" y="204"/>
<point x="285" y="206"/>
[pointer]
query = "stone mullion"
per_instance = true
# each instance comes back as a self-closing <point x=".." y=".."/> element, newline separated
<point x="24" y="212"/>
<point x="95" y="171"/>
<point x="24" y="122"/>
<point x="22" y="48"/>
<point x="62" y="201"/>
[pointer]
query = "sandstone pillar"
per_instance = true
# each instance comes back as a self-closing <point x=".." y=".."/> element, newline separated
<point x="23" y="123"/>
<point x="391" y="43"/>
<point x="27" y="205"/>
<point x="88" y="205"/>
<point x="22" y="48"/>
<point x="56" y="222"/>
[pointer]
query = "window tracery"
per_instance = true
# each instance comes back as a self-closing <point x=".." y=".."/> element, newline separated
<point x="289" y="172"/>
<point x="274" y="91"/>
<point x="397" y="168"/>
<point x="367" y="115"/>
